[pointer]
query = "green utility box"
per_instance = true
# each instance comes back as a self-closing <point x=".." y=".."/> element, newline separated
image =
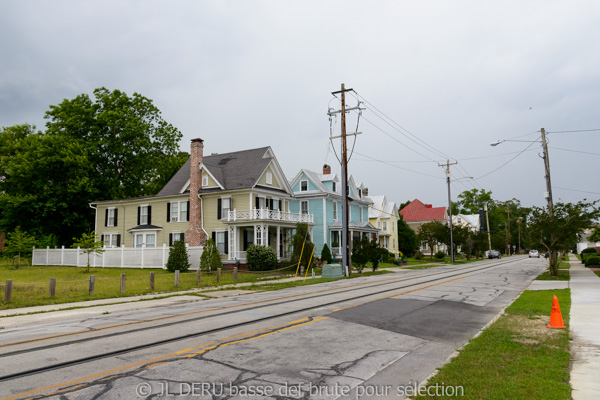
<point x="332" y="271"/>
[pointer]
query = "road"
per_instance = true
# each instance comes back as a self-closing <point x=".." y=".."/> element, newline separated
<point x="369" y="337"/>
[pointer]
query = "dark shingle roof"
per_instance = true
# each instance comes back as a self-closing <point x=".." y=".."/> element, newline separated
<point x="237" y="170"/>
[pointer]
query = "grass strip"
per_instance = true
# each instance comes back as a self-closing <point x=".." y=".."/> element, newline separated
<point x="517" y="357"/>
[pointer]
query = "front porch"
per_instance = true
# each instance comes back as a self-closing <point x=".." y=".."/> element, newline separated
<point x="266" y="227"/>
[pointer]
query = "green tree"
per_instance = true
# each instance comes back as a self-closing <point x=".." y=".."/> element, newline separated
<point x="562" y="230"/>
<point x="18" y="242"/>
<point x="471" y="201"/>
<point x="407" y="238"/>
<point x="361" y="254"/>
<point x="326" y="254"/>
<point x="178" y="257"/>
<point x="376" y="254"/>
<point x="595" y="236"/>
<point x="89" y="245"/>
<point x="132" y="150"/>
<point x="431" y="233"/>
<point x="210" y="258"/>
<point x="301" y="238"/>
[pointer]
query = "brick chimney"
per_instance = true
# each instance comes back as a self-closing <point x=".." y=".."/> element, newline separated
<point x="326" y="169"/>
<point x="195" y="235"/>
<point x="365" y="191"/>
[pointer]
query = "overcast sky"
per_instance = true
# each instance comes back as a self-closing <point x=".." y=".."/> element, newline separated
<point x="440" y="80"/>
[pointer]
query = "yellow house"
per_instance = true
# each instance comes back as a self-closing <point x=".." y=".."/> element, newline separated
<point x="384" y="216"/>
<point x="237" y="199"/>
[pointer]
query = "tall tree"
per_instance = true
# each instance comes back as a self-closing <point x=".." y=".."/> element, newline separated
<point x="595" y="235"/>
<point x="431" y="233"/>
<point x="562" y="230"/>
<point x="470" y="201"/>
<point x="407" y="238"/>
<point x="18" y="242"/>
<point x="132" y="150"/>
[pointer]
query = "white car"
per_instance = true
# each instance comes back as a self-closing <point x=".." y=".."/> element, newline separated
<point x="534" y="253"/>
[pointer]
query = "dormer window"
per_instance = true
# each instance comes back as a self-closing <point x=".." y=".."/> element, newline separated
<point x="204" y="180"/>
<point x="333" y="187"/>
<point x="269" y="178"/>
<point x="304" y="186"/>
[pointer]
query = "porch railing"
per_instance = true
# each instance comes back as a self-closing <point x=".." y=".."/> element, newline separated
<point x="269" y="215"/>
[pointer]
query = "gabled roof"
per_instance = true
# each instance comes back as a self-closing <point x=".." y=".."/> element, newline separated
<point x="381" y="208"/>
<point x="417" y="211"/>
<point x="235" y="170"/>
<point x="471" y="219"/>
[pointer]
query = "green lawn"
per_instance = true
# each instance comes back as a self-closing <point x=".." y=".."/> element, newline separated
<point x="563" y="273"/>
<point x="31" y="284"/>
<point x="517" y="357"/>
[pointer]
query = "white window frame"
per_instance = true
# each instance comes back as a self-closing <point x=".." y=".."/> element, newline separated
<point x="276" y="204"/>
<point x="175" y="211"/>
<point x="302" y="203"/>
<point x="333" y="187"/>
<point x="144" y="217"/>
<point x="384" y="226"/>
<point x="112" y="239"/>
<point x="225" y="210"/>
<point x="269" y="178"/>
<point x="262" y="203"/>
<point x="335" y="211"/>
<point x="360" y="214"/>
<point x="111" y="217"/>
<point x="302" y="183"/>
<point x="378" y="224"/>
<point x="177" y="235"/>
<point x="144" y="236"/>
<point x="204" y="180"/>
<point x="220" y="241"/>
<point x="393" y="227"/>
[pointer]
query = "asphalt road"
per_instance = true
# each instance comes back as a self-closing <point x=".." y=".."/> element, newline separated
<point x="371" y="337"/>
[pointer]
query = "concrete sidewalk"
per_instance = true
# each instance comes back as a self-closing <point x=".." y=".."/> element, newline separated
<point x="585" y="331"/>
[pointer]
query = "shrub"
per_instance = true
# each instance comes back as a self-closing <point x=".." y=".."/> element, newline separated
<point x="592" y="261"/>
<point x="210" y="258"/>
<point x="326" y="254"/>
<point x="178" y="258"/>
<point x="418" y="254"/>
<point x="586" y="251"/>
<point x="440" y="254"/>
<point x="261" y="258"/>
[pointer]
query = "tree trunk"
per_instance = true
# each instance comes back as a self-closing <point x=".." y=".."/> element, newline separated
<point x="553" y="263"/>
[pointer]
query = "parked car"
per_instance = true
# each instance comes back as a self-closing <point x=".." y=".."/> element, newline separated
<point x="534" y="253"/>
<point x="495" y="254"/>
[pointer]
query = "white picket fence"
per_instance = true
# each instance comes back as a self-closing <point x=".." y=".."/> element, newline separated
<point x="123" y="257"/>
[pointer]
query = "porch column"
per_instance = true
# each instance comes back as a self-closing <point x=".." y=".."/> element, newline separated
<point x="278" y="242"/>
<point x="233" y="240"/>
<point x="266" y="235"/>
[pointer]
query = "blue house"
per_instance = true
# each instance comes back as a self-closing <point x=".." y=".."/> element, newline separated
<point x="321" y="196"/>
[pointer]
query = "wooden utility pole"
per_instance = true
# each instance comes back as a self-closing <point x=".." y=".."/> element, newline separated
<point x="547" y="167"/>
<point x="346" y="255"/>
<point x="447" y="165"/>
<point x="509" y="236"/>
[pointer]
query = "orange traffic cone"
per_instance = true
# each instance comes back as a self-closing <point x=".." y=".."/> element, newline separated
<point x="556" y="320"/>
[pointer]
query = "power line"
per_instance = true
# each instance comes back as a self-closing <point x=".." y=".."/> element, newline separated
<point x="491" y="172"/>
<point x="576" y="151"/>
<point x="396" y="166"/>
<point x="574" y="190"/>
<point x="581" y="130"/>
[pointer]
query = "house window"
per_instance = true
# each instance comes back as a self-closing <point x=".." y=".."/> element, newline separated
<point x="144" y="212"/>
<point x="276" y="204"/>
<point x="303" y="186"/>
<point x="335" y="216"/>
<point x="360" y="214"/>
<point x="333" y="186"/>
<point x="384" y="225"/>
<point x="174" y="212"/>
<point x="393" y="228"/>
<point x="394" y="243"/>
<point x="220" y="239"/>
<point x="304" y="207"/>
<point x="111" y="239"/>
<point x="335" y="238"/>
<point x="459" y="221"/>
<point x="145" y="240"/>
<point x="183" y="211"/>
<point x="225" y="207"/>
<point x="110" y="217"/>
<point x="424" y="246"/>
<point x="176" y="236"/>
<point x="261" y="202"/>
<point x="204" y="180"/>
<point x="269" y="178"/>
<point x="378" y="224"/>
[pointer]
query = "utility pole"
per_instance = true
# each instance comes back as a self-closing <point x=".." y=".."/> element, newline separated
<point x="509" y="236"/>
<point x="447" y="165"/>
<point x="487" y="218"/>
<point x="547" y="167"/>
<point x="346" y="255"/>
